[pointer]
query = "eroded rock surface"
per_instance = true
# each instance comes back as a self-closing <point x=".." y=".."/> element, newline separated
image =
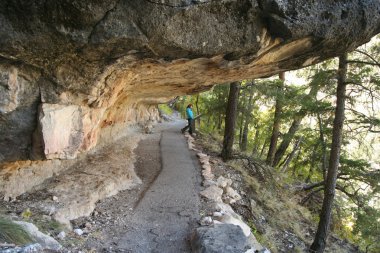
<point x="74" y="74"/>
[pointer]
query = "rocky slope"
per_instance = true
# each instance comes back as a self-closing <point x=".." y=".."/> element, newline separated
<point x="75" y="74"/>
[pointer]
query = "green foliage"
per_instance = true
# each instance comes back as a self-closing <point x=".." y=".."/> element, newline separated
<point x="367" y="225"/>
<point x="164" y="108"/>
<point x="26" y="214"/>
<point x="358" y="180"/>
<point x="13" y="233"/>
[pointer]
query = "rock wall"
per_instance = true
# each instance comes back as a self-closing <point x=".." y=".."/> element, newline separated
<point x="74" y="74"/>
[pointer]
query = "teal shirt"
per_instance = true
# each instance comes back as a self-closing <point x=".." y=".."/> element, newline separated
<point x="189" y="113"/>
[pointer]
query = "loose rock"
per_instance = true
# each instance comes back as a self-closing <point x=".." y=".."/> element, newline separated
<point x="213" y="192"/>
<point x="78" y="231"/>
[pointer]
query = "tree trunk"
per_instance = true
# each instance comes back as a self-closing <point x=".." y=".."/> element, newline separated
<point x="263" y="148"/>
<point x="276" y="125"/>
<point x="293" y="128"/>
<point x="319" y="243"/>
<point x="324" y="148"/>
<point x="312" y="165"/>
<point x="292" y="154"/>
<point x="231" y="113"/>
<point x="247" y="116"/>
<point x="241" y="109"/>
<point x="197" y="107"/>
<point x="256" y="142"/>
<point x="241" y="130"/>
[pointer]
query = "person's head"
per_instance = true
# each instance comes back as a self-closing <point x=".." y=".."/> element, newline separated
<point x="189" y="106"/>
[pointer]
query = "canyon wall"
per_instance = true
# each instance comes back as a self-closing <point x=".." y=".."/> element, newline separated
<point x="74" y="74"/>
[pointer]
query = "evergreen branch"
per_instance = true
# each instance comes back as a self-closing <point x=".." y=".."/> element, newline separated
<point x="368" y="55"/>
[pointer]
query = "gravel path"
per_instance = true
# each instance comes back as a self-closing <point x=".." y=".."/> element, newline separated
<point x="159" y="215"/>
<point x="163" y="219"/>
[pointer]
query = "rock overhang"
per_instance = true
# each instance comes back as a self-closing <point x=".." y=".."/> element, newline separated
<point x="108" y="58"/>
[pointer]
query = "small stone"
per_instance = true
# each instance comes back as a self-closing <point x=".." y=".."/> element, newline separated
<point x="78" y="231"/>
<point x="200" y="155"/>
<point x="205" y="221"/>
<point x="55" y="198"/>
<point x="233" y="194"/>
<point x="46" y="217"/>
<point x="223" y="182"/>
<point x="61" y="235"/>
<point x="217" y="214"/>
<point x="231" y="201"/>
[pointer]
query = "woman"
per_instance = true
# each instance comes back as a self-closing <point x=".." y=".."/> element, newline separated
<point x="190" y="117"/>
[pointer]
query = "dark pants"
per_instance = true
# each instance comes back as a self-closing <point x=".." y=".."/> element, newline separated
<point x="189" y="122"/>
<point x="189" y="126"/>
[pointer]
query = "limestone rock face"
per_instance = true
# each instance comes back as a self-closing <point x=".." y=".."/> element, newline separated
<point x="108" y="62"/>
<point x="61" y="129"/>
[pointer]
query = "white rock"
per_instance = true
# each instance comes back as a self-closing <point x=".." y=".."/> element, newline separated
<point x="213" y="192"/>
<point x="206" y="167"/>
<point x="225" y="209"/>
<point x="61" y="235"/>
<point x="205" y="160"/>
<point x="216" y="222"/>
<point x="217" y="214"/>
<point x="224" y="182"/>
<point x="233" y="194"/>
<point x="55" y="198"/>
<point x="205" y="221"/>
<point x="231" y="201"/>
<point x="78" y="231"/>
<point x="228" y="219"/>
<point x="62" y="130"/>
<point x="200" y="155"/>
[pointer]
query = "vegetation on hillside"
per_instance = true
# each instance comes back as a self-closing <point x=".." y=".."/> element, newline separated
<point x="288" y="125"/>
<point x="13" y="233"/>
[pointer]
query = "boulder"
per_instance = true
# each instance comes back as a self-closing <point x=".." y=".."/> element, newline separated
<point x="224" y="238"/>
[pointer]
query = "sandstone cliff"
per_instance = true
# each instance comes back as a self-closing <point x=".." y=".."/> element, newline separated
<point x="74" y="74"/>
